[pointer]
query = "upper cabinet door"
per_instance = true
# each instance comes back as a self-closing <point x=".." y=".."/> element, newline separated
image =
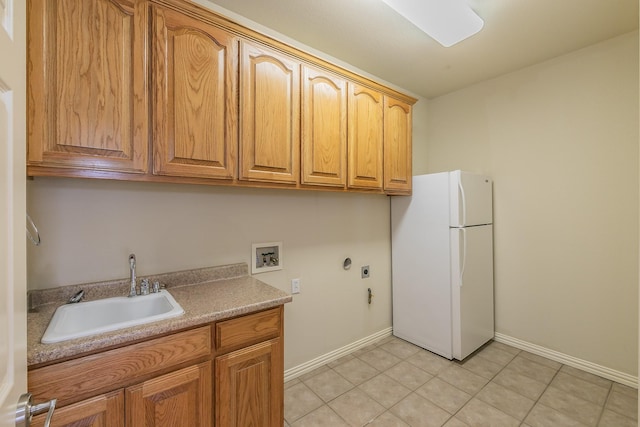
<point x="397" y="146"/>
<point x="269" y="115"/>
<point x="87" y="95"/>
<point x="194" y="80"/>
<point x="324" y="128"/>
<point x="365" y="137"/>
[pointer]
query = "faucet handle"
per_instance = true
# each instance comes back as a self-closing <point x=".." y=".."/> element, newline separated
<point x="144" y="287"/>
<point x="157" y="286"/>
<point x="77" y="297"/>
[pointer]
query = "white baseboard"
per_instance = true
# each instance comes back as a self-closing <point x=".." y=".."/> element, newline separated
<point x="309" y="366"/>
<point x="603" y="371"/>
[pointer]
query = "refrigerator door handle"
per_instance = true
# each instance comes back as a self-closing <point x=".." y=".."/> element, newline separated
<point x="464" y="254"/>
<point x="463" y="203"/>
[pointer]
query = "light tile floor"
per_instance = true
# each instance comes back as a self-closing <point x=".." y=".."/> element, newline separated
<point x="395" y="383"/>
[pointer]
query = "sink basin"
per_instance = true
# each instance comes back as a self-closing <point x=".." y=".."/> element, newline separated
<point x="93" y="317"/>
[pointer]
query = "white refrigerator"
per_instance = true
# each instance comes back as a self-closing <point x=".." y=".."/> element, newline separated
<point x="442" y="263"/>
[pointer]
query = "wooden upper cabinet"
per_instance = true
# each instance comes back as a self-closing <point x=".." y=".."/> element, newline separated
<point x="365" y="137"/>
<point x="324" y="128"/>
<point x="194" y="113"/>
<point x="397" y="146"/>
<point x="168" y="91"/>
<point x="269" y="115"/>
<point x="87" y="99"/>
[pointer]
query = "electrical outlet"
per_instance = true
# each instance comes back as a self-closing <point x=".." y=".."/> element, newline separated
<point x="295" y="286"/>
<point x="365" y="271"/>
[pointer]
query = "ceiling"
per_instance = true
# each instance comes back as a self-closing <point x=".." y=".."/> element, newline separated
<point x="371" y="36"/>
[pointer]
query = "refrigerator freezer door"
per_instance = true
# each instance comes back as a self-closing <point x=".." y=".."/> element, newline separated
<point x="420" y="264"/>
<point x="471" y="288"/>
<point x="471" y="199"/>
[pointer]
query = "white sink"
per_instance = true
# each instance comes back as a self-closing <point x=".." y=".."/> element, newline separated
<point x="94" y="317"/>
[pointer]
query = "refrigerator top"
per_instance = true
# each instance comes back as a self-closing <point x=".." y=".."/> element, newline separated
<point x="471" y="199"/>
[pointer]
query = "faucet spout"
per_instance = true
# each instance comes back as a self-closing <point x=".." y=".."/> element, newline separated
<point x="132" y="268"/>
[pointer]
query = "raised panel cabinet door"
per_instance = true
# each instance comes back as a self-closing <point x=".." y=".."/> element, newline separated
<point x="269" y="115"/>
<point x="324" y="128"/>
<point x="180" y="398"/>
<point x="106" y="410"/>
<point x="397" y="146"/>
<point x="249" y="386"/>
<point x="194" y="79"/>
<point x="87" y="94"/>
<point x="365" y="137"/>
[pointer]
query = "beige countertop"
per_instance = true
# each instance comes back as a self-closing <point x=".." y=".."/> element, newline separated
<point x="206" y="295"/>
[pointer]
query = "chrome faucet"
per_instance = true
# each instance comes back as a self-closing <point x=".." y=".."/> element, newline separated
<point x="132" y="267"/>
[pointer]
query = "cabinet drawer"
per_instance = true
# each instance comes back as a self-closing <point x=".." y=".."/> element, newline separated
<point x="80" y="378"/>
<point x="247" y="330"/>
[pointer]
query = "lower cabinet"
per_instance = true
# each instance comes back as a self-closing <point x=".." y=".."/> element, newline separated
<point x="106" y="410"/>
<point x="180" y="398"/>
<point x="249" y="386"/>
<point x="229" y="373"/>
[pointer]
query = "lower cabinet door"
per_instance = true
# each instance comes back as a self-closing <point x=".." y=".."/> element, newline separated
<point x="249" y="386"/>
<point x="180" y="398"/>
<point x="106" y="410"/>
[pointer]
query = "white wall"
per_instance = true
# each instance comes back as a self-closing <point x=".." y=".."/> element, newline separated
<point x="561" y="140"/>
<point x="88" y="229"/>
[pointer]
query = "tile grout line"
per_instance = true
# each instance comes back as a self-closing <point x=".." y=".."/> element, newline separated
<point x="452" y="362"/>
<point x="490" y="380"/>
<point x="433" y="376"/>
<point x="604" y="405"/>
<point x="321" y="399"/>
<point x="537" y="401"/>
<point x="610" y="396"/>
<point x="379" y="372"/>
<point x="460" y="363"/>
<point x="549" y="384"/>
<point x="401" y="359"/>
<point x="354" y="386"/>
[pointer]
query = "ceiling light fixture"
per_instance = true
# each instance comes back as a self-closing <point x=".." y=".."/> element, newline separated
<point x="446" y="21"/>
